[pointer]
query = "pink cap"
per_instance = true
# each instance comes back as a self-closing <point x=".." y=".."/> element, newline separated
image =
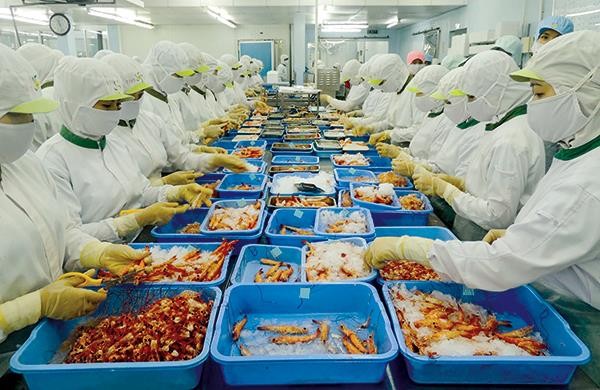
<point x="415" y="55"/>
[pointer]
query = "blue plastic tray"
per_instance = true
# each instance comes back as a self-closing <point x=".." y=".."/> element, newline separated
<point x="402" y="217"/>
<point x="409" y="184"/>
<point x="344" y="176"/>
<point x="222" y="143"/>
<point x="262" y="166"/>
<point x="321" y="228"/>
<point x="291" y="152"/>
<point x="432" y="232"/>
<point x="349" y="303"/>
<point x="208" y="246"/>
<point x="375" y="162"/>
<point x="295" y="160"/>
<point x="373" y="206"/>
<point x="259" y="144"/>
<point x="248" y="262"/>
<point x="301" y="218"/>
<point x="168" y="233"/>
<point x="237" y="203"/>
<point x="257" y="180"/>
<point x="521" y="306"/>
<point x="357" y="241"/>
<point x="278" y="176"/>
<point x="32" y="358"/>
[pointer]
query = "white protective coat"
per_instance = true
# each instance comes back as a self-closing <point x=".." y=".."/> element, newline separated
<point x="510" y="159"/>
<point x="357" y="94"/>
<point x="94" y="184"/>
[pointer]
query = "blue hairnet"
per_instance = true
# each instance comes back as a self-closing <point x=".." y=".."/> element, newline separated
<point x="510" y="44"/>
<point x="560" y="24"/>
<point x="428" y="57"/>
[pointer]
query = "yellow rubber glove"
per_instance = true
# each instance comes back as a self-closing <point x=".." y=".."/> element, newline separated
<point x="361" y="130"/>
<point x="181" y="177"/>
<point x="387" y="150"/>
<point x="217" y="121"/>
<point x="232" y="163"/>
<point x="62" y="300"/>
<point x="211" y="131"/>
<point x="454" y="180"/>
<point x="430" y="184"/>
<point x="113" y="257"/>
<point x="403" y="167"/>
<point x="382" y="136"/>
<point x="354" y="114"/>
<point x="398" y="248"/>
<point x="209" y="149"/>
<point x="325" y="99"/>
<point x="158" y="213"/>
<point x="347" y="123"/>
<point x="493" y="235"/>
<point x="194" y="194"/>
<point x="262" y="107"/>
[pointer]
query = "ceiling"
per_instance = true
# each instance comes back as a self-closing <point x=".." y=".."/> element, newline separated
<point x="253" y="12"/>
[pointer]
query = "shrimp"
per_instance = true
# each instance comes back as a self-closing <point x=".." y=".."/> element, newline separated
<point x="350" y="346"/>
<point x="295" y="339"/>
<point x="237" y="328"/>
<point x="371" y="346"/>
<point x="323" y="330"/>
<point x="283" y="329"/>
<point x="354" y="339"/>
<point x="244" y="351"/>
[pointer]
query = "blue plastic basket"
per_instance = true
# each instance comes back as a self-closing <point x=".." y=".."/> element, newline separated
<point x="431" y="232"/>
<point x="295" y="160"/>
<point x="349" y="303"/>
<point x="249" y="263"/>
<point x="259" y="144"/>
<point x="256" y="180"/>
<point x="300" y="218"/>
<point x="169" y="233"/>
<point x="32" y="358"/>
<point x="321" y="228"/>
<point x="357" y="241"/>
<point x="208" y="246"/>
<point x="222" y="143"/>
<point x="307" y="175"/>
<point x="370" y="205"/>
<point x="402" y="217"/>
<point x="237" y="203"/>
<point x="344" y="176"/>
<point x="521" y="306"/>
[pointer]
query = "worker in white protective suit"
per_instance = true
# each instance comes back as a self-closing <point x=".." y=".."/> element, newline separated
<point x="211" y="63"/>
<point x="256" y="66"/>
<point x="43" y="60"/>
<point x="509" y="158"/>
<point x="282" y="69"/>
<point x="96" y="176"/>
<point x="102" y="53"/>
<point x="510" y="45"/>
<point x="551" y="28"/>
<point x="358" y="93"/>
<point x="435" y="126"/>
<point x="39" y="241"/>
<point x="452" y="61"/>
<point x="376" y="105"/>
<point x="554" y="242"/>
<point x="143" y="134"/>
<point x="391" y="75"/>
<point x="236" y="93"/>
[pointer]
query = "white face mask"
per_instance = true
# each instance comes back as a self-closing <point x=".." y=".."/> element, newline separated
<point x="415" y="68"/>
<point x="425" y="103"/>
<point x="95" y="123"/>
<point x="171" y="84"/>
<point x="193" y="80"/>
<point x="559" y="117"/>
<point x="16" y="140"/>
<point x="481" y="110"/>
<point x="130" y="109"/>
<point x="457" y="111"/>
<point x="215" y="84"/>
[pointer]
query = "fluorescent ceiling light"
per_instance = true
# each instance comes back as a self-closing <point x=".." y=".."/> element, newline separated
<point x="594" y="11"/>
<point x="127" y="20"/>
<point x="343" y="30"/>
<point x="393" y="22"/>
<point x="220" y="16"/>
<point x="5" y="14"/>
<point x="346" y="26"/>
<point x="139" y="3"/>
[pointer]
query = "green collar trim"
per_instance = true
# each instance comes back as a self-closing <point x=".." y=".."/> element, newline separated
<point x="82" y="142"/>
<point x="435" y="114"/>
<point x="201" y="92"/>
<point x="124" y="123"/>
<point x="154" y="93"/>
<point x="515" y="112"/>
<point x="570" y="154"/>
<point x="47" y="84"/>
<point x="468" y="123"/>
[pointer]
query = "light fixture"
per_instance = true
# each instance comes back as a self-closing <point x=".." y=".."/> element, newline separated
<point x="139" y="3"/>
<point x="127" y="20"/>
<point x="346" y="26"/>
<point x="393" y="22"/>
<point x="220" y="16"/>
<point x="342" y="30"/>
<point x="594" y="11"/>
<point x="6" y="15"/>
